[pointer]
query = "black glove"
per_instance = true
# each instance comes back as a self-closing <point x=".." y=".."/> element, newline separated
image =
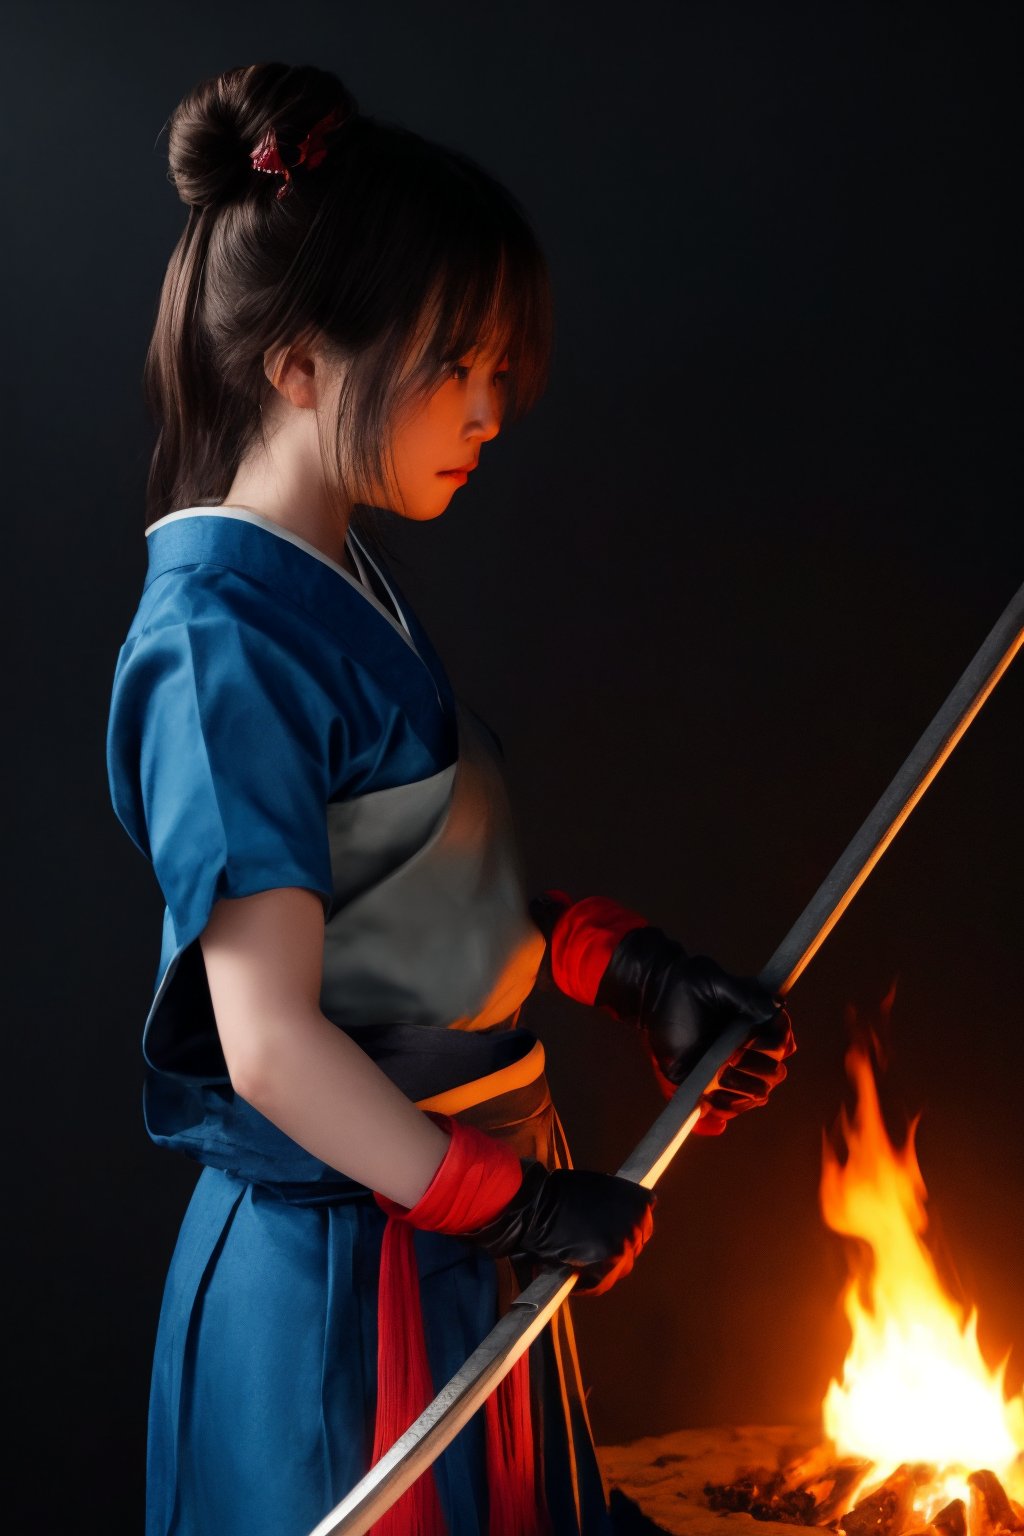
<point x="681" y="1004"/>
<point x="596" y="1223"/>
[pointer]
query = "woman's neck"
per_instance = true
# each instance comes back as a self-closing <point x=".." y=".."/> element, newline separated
<point x="322" y="531"/>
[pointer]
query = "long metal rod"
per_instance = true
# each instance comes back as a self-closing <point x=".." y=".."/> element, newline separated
<point x="534" y="1307"/>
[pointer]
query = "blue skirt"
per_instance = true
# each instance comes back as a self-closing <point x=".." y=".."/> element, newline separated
<point x="264" y="1376"/>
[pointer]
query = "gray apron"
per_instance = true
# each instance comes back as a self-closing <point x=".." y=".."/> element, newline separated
<point x="429" y="923"/>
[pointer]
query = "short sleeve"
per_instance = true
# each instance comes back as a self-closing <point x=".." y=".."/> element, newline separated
<point x="218" y="762"/>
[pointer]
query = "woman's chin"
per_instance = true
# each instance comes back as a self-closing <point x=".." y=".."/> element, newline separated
<point x="423" y="510"/>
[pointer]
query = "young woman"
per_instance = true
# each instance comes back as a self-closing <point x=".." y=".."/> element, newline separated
<point x="351" y="314"/>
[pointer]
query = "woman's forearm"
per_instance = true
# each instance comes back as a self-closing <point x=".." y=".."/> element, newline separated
<point x="322" y="1089"/>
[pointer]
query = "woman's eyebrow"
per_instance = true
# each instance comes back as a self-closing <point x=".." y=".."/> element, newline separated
<point x="494" y="357"/>
<point x="495" y="352"/>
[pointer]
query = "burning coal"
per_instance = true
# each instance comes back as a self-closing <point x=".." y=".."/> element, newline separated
<point x="920" y="1432"/>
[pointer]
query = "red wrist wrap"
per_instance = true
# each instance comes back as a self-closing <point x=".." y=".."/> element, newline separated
<point x="583" y="941"/>
<point x="477" y="1177"/>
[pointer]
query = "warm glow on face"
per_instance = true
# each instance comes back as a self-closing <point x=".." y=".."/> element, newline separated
<point x="448" y="431"/>
<point x="915" y="1387"/>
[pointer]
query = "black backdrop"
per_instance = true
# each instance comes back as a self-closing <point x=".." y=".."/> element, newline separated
<point x="709" y="595"/>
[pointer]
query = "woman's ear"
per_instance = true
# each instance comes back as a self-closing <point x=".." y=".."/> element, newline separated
<point x="295" y="371"/>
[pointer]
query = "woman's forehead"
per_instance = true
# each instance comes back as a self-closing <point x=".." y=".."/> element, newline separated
<point x="478" y="320"/>
<point x="494" y="349"/>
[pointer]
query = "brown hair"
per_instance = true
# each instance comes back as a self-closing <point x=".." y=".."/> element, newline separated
<point x="396" y="253"/>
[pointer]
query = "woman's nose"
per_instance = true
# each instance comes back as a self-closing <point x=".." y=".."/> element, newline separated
<point x="484" y="416"/>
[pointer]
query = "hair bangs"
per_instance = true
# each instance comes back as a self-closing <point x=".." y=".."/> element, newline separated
<point x="496" y="300"/>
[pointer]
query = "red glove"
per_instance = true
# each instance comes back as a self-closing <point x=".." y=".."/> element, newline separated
<point x="610" y="957"/>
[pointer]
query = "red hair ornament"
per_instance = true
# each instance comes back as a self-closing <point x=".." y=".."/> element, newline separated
<point x="267" y="155"/>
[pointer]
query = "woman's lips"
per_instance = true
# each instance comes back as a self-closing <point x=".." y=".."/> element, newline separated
<point x="461" y="475"/>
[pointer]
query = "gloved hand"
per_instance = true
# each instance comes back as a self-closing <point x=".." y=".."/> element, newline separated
<point x="603" y="954"/>
<point x="596" y="1223"/>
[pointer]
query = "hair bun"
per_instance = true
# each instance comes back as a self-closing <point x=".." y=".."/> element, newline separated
<point x="215" y="128"/>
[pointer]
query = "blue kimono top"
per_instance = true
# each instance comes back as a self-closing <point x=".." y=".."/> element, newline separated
<point x="276" y="722"/>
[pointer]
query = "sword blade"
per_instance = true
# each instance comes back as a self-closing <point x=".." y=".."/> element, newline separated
<point x="441" y="1421"/>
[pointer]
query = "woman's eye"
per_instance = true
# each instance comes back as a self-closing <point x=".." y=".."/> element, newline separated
<point x="460" y="371"/>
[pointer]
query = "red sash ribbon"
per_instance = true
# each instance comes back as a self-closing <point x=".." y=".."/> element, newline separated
<point x="477" y="1177"/>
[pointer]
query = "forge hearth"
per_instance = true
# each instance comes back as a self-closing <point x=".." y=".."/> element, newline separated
<point x="665" y="1475"/>
<point x="702" y="1482"/>
<point x="918" y="1435"/>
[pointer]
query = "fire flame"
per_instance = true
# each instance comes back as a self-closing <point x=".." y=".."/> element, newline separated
<point x="915" y="1387"/>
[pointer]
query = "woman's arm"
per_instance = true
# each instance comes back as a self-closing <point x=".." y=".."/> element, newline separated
<point x="264" y="964"/>
<point x="264" y="959"/>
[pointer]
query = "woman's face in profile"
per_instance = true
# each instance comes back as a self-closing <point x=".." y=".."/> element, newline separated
<point x="446" y="431"/>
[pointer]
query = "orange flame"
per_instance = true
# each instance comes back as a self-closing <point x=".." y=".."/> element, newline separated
<point x="915" y="1387"/>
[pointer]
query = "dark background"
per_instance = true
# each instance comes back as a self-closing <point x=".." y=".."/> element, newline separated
<point x="709" y="594"/>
